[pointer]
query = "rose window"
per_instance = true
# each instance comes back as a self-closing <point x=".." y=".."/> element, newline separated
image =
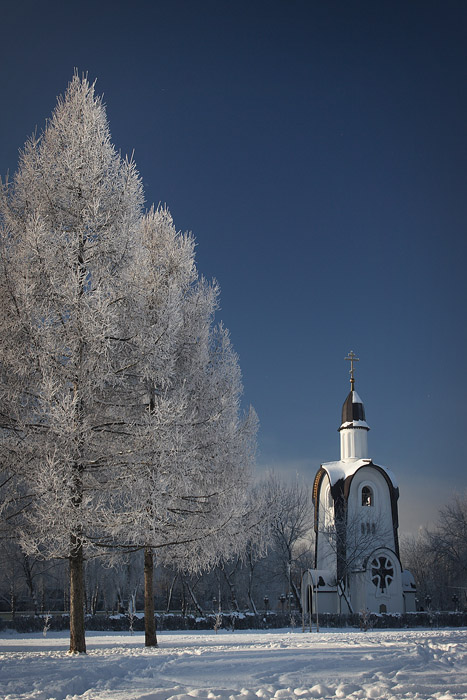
<point x="382" y="572"/>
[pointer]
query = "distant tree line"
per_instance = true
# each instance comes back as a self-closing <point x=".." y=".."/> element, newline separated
<point x="256" y="580"/>
<point x="256" y="583"/>
<point x="247" y="583"/>
<point x="437" y="558"/>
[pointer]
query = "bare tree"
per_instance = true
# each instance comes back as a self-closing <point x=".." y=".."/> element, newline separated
<point x="449" y="540"/>
<point x="418" y="556"/>
<point x="291" y="526"/>
<point x="438" y="557"/>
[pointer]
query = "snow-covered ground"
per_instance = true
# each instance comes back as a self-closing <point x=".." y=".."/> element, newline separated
<point x="250" y="665"/>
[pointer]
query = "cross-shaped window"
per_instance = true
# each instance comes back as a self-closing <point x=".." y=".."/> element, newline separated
<point x="382" y="572"/>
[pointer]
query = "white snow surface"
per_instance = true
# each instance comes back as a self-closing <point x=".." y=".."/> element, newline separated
<point x="247" y="665"/>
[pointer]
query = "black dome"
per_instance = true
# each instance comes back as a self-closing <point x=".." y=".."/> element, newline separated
<point x="353" y="408"/>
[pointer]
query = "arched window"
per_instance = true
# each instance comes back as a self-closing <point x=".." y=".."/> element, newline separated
<point x="367" y="496"/>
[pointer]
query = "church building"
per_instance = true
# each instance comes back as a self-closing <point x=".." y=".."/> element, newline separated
<point x="357" y="564"/>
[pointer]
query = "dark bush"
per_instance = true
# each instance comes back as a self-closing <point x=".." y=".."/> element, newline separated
<point x="240" y="621"/>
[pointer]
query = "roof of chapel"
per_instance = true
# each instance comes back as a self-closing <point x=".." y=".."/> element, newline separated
<point x="342" y="469"/>
<point x="353" y="412"/>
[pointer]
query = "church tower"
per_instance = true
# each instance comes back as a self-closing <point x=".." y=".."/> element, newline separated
<point x="357" y="564"/>
<point x="354" y="429"/>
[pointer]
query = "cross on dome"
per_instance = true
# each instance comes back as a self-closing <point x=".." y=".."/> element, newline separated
<point x="352" y="358"/>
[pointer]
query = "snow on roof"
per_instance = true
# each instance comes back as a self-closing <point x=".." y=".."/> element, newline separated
<point x="323" y="578"/>
<point x="356" y="398"/>
<point x="345" y="468"/>
<point x="355" y="424"/>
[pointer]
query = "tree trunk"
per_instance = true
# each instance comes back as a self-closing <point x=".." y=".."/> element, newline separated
<point x="30" y="583"/>
<point x="12" y="601"/>
<point x="77" y="636"/>
<point x="296" y="595"/>
<point x="194" y="599"/>
<point x="170" y="593"/>
<point x="340" y="586"/>
<point x="250" y="585"/>
<point x="95" y="599"/>
<point x="233" y="596"/>
<point x="150" y="638"/>
<point x="184" y="601"/>
<point x="252" y="603"/>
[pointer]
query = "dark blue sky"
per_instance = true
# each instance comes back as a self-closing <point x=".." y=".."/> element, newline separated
<point x="318" y="152"/>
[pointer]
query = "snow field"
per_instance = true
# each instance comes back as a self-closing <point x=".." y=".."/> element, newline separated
<point x="244" y="665"/>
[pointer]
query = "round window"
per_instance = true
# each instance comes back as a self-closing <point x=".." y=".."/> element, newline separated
<point x="382" y="572"/>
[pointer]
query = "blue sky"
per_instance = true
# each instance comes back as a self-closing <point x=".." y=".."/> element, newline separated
<point x="317" y="150"/>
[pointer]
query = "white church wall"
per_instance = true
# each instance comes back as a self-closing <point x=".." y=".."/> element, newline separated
<point x="369" y="523"/>
<point x="326" y="547"/>
<point x="382" y="589"/>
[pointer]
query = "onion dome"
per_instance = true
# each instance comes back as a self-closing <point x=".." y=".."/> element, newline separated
<point x="353" y="412"/>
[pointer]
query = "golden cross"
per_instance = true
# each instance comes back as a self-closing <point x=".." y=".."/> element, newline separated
<point x="352" y="358"/>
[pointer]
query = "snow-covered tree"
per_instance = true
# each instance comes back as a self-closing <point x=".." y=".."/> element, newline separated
<point x="184" y="494"/>
<point x="121" y="397"/>
<point x="68" y="222"/>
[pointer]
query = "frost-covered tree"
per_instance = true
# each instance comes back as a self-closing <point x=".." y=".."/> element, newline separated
<point x="121" y="398"/>
<point x="68" y="222"/>
<point x="184" y="493"/>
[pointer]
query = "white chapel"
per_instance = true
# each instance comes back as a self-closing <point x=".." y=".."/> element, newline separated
<point x="357" y="564"/>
